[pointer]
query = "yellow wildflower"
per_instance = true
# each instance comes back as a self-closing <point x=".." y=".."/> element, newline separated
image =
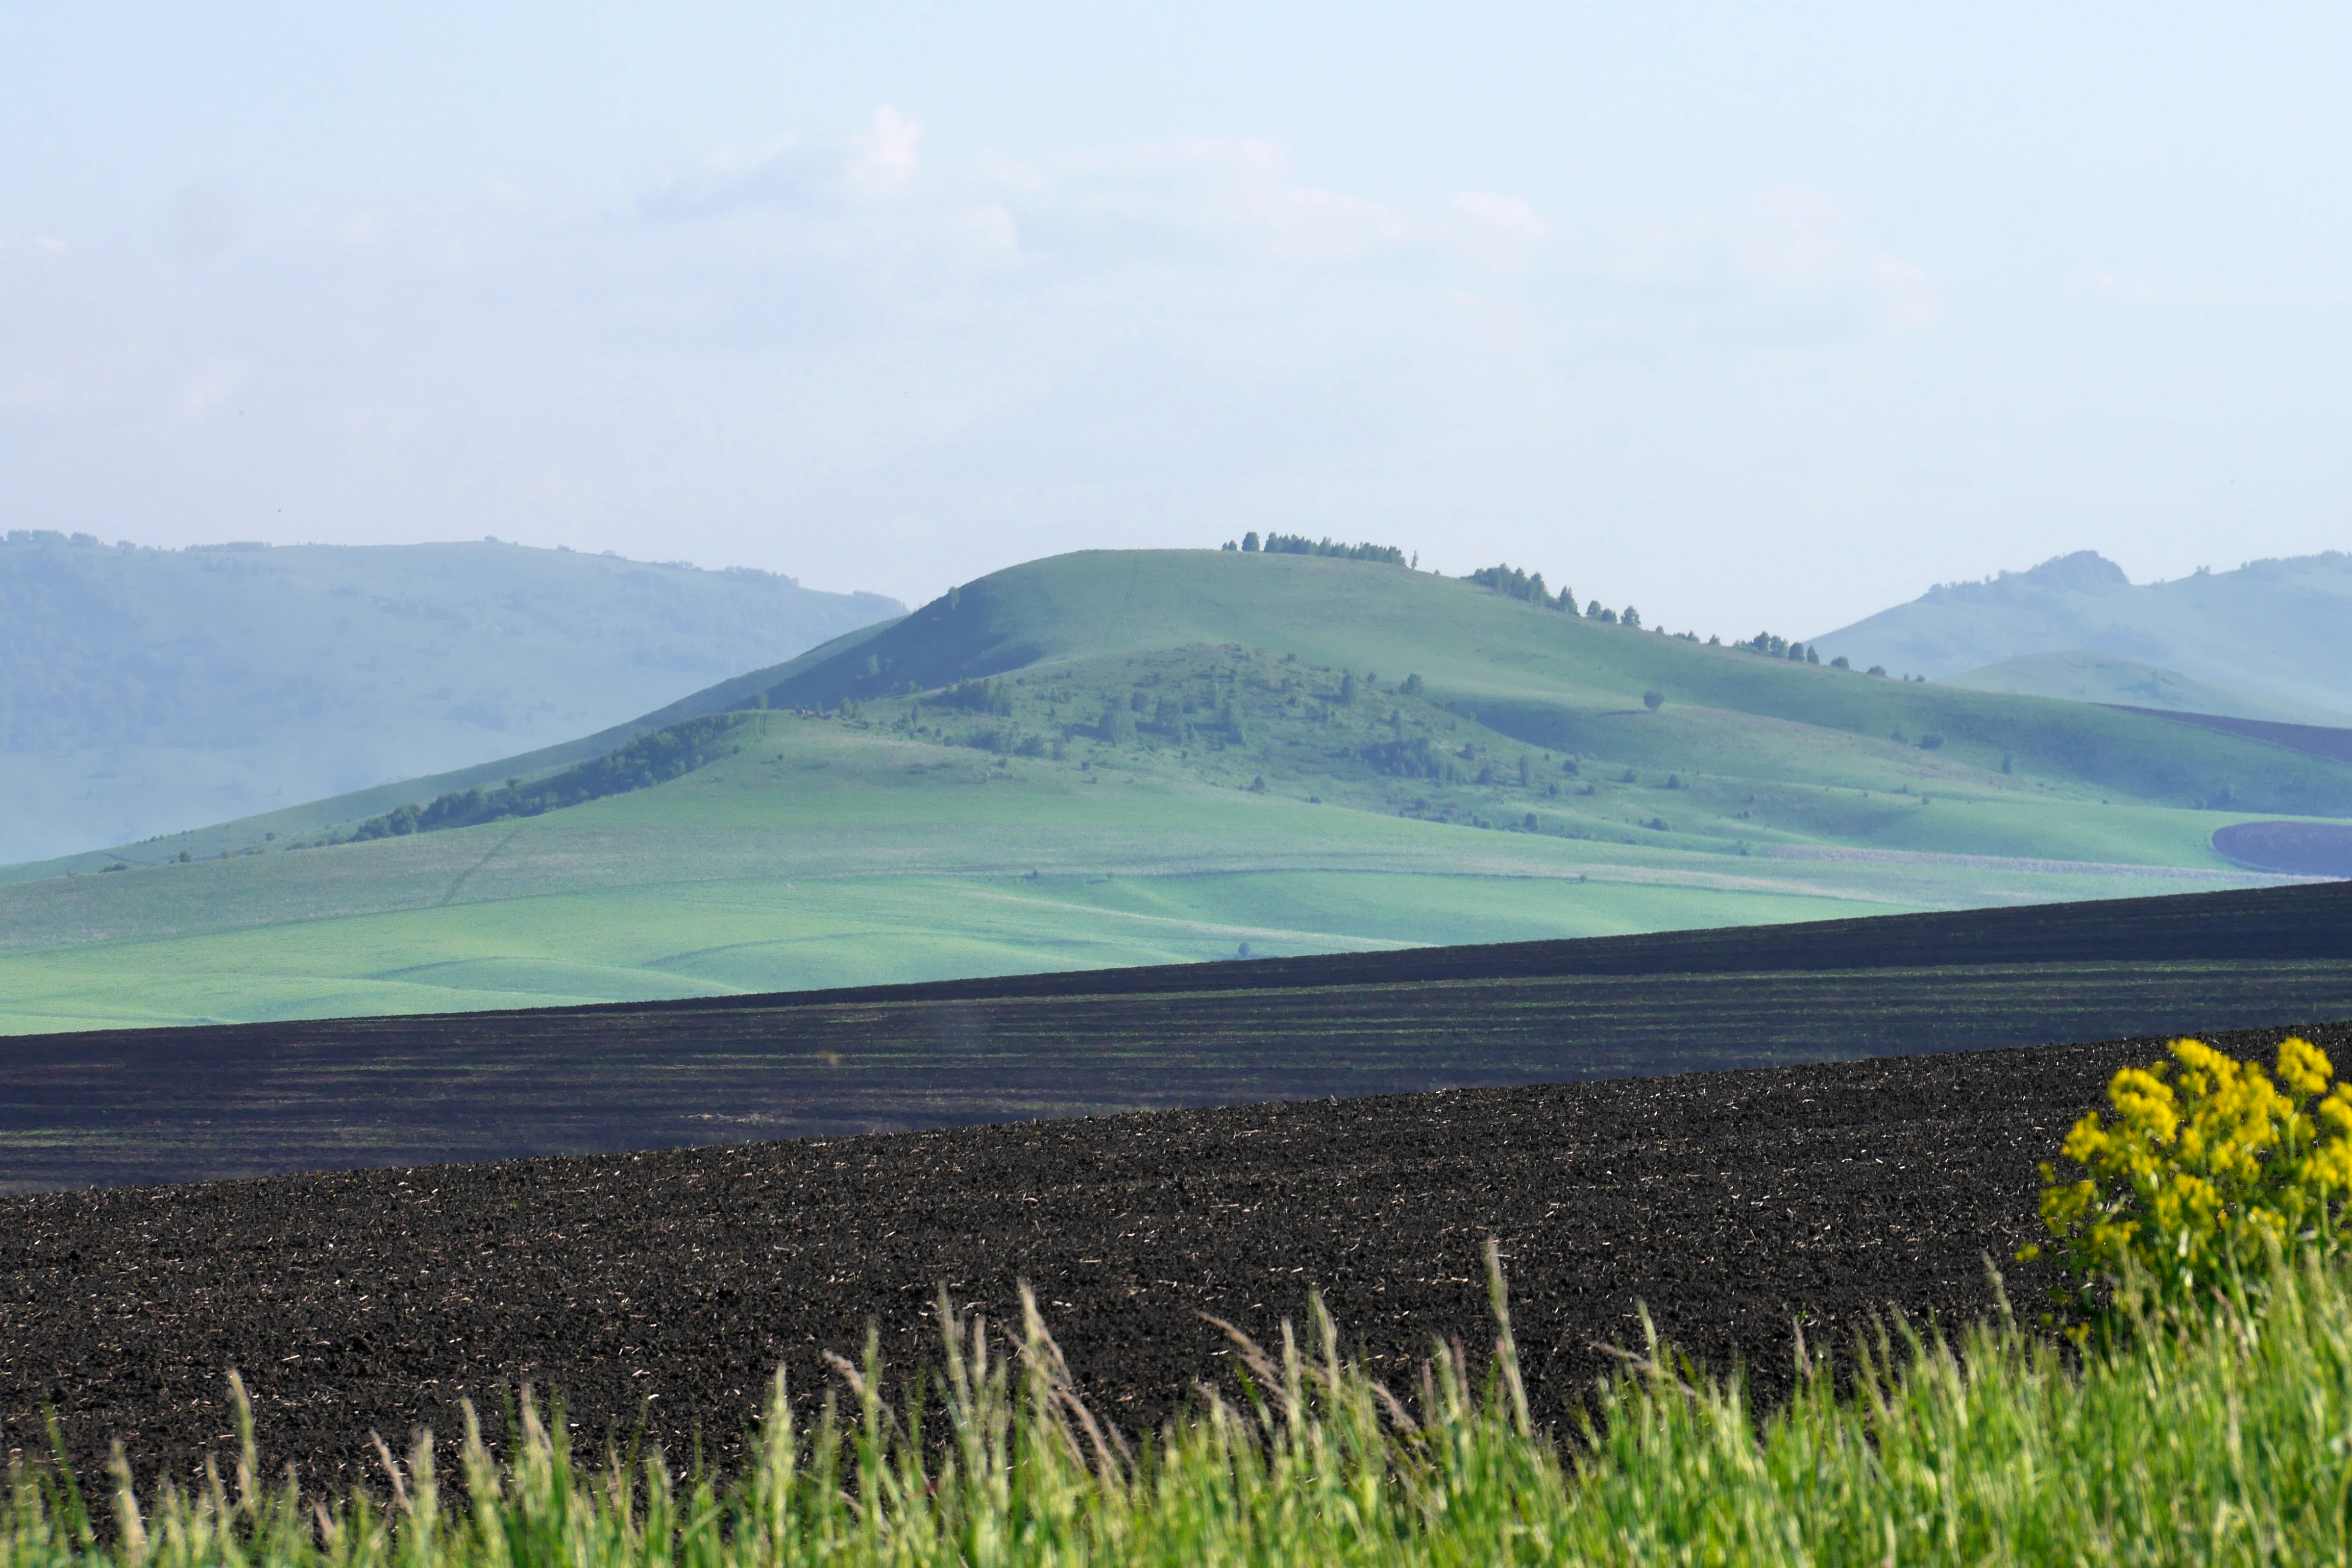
<point x="2208" y="1163"/>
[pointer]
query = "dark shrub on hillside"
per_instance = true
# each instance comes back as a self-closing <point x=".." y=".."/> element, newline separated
<point x="978" y="696"/>
<point x="650" y="759"/>
<point x="1418" y="758"/>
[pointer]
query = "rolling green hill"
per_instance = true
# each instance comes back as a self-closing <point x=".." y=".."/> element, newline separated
<point x="1126" y="757"/>
<point x="2273" y="631"/>
<point x="147" y="691"/>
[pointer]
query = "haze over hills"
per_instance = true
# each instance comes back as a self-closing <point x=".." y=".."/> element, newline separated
<point x="1123" y="757"/>
<point x="2103" y="677"/>
<point x="144" y="691"/>
<point x="2275" y="635"/>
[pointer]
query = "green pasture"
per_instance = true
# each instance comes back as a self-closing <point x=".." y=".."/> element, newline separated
<point x="830" y="854"/>
<point x="1252" y="793"/>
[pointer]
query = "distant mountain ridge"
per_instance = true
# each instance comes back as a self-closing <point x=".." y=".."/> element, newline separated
<point x="144" y="691"/>
<point x="2273" y="636"/>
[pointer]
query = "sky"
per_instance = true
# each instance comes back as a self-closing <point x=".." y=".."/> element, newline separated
<point x="1756" y="317"/>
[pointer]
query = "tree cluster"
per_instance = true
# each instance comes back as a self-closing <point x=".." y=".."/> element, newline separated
<point x="1772" y="647"/>
<point x="1299" y="544"/>
<point x="650" y="759"/>
<point x="978" y="696"/>
<point x="1417" y="758"/>
<point x="1512" y="582"/>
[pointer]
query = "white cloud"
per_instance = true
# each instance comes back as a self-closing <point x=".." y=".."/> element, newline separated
<point x="874" y="362"/>
<point x="886" y="160"/>
<point x="206" y="220"/>
<point x="1503" y="232"/>
<point x="1908" y="301"/>
<point x="2136" y="291"/>
<point x="1502" y="214"/>
<point x="1790" y="238"/>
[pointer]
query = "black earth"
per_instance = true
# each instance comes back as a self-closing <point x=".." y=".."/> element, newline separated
<point x="664" y="1288"/>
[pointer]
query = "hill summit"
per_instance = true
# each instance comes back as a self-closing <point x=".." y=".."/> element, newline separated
<point x="2275" y="636"/>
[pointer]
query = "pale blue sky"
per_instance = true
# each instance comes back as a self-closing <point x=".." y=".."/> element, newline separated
<point x="1754" y="317"/>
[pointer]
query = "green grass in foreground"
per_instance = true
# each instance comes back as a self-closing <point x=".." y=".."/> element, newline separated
<point x="2224" y="1442"/>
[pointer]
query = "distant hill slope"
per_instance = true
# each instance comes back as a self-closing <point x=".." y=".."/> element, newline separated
<point x="2277" y="632"/>
<point x="313" y="816"/>
<point x="2081" y="677"/>
<point x="1132" y="757"/>
<point x="144" y="691"/>
<point x="2332" y="741"/>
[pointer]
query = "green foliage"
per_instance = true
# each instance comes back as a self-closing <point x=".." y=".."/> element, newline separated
<point x="1653" y="699"/>
<point x="1416" y="758"/>
<point x="1512" y="582"/>
<point x="977" y="696"/>
<point x="1414" y="686"/>
<point x="2219" y="1440"/>
<point x="2201" y="1179"/>
<point x="650" y="759"/>
<point x="1299" y="544"/>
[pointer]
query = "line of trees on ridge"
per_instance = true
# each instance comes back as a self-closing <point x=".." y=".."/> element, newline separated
<point x="650" y="759"/>
<point x="1299" y="544"/>
<point x="1514" y="583"/>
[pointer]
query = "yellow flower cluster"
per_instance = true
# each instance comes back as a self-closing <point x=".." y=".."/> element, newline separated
<point x="2212" y="1166"/>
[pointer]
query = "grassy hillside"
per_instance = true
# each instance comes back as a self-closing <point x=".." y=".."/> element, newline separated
<point x="146" y="691"/>
<point x="254" y="834"/>
<point x="1122" y="758"/>
<point x="2103" y="677"/>
<point x="2276" y="631"/>
<point x="1546" y="679"/>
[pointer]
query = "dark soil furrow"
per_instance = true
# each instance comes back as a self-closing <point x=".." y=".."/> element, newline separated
<point x="669" y="1285"/>
<point x="173" y="1106"/>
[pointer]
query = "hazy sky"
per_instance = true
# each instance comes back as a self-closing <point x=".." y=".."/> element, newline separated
<point x="1754" y="317"/>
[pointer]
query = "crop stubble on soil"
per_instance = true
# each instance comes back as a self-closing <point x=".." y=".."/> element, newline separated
<point x="670" y="1284"/>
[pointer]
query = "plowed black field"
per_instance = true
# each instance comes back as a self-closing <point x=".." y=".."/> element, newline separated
<point x="178" y="1105"/>
<point x="666" y="1286"/>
